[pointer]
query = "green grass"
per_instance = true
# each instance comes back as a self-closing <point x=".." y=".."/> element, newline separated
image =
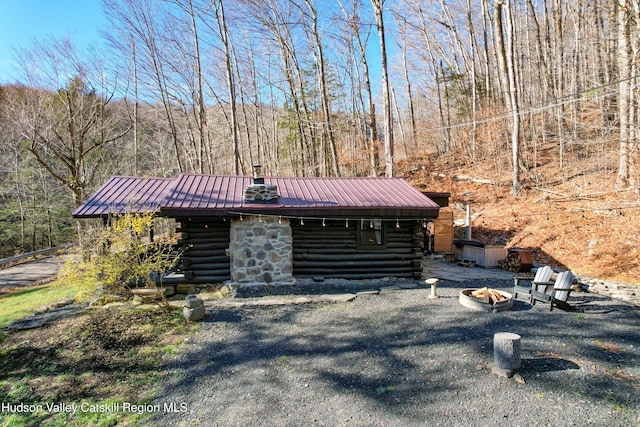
<point x="382" y="389"/>
<point x="97" y="357"/>
<point x="20" y="303"/>
<point x="100" y="358"/>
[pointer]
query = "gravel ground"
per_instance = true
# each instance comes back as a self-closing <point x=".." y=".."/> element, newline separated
<point x="402" y="359"/>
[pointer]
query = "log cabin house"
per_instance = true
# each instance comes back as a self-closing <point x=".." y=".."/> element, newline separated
<point x="269" y="230"/>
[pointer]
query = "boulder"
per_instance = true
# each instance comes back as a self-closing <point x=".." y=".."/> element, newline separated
<point x="194" y="314"/>
<point x="193" y="301"/>
<point x="194" y="309"/>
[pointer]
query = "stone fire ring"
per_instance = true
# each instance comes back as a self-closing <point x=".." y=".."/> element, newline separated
<point x="477" y="304"/>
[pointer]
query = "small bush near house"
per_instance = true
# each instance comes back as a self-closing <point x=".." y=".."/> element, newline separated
<point x="121" y="256"/>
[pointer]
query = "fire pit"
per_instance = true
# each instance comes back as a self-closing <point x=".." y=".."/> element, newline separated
<point x="486" y="299"/>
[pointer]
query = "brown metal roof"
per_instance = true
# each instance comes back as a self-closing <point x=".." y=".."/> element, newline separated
<point x="299" y="196"/>
<point x="122" y="194"/>
<point x="193" y="194"/>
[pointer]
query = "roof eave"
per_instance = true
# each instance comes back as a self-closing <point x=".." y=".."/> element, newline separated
<point x="379" y="212"/>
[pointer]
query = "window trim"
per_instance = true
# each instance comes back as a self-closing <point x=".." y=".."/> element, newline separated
<point x="375" y="226"/>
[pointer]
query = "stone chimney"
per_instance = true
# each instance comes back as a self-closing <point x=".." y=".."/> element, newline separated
<point x="259" y="191"/>
<point x="261" y="251"/>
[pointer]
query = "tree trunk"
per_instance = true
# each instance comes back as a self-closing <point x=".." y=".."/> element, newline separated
<point x="201" y="114"/>
<point x="624" y="67"/>
<point x="507" y="65"/>
<point x="324" y="95"/>
<point x="410" y="101"/>
<point x="501" y="52"/>
<point x="474" y="89"/>
<point x="228" y="61"/>
<point x="506" y="351"/>
<point x="378" y="6"/>
<point x="354" y="23"/>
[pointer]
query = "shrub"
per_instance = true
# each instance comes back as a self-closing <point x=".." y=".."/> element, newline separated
<point x="120" y="256"/>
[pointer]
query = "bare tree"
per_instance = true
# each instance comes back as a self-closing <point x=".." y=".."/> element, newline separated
<point x="231" y="83"/>
<point x="378" y="8"/>
<point x="324" y="93"/>
<point x="352" y="18"/>
<point x="201" y="114"/>
<point x="407" y="82"/>
<point x="505" y="56"/>
<point x="63" y="128"/>
<point x="277" y="20"/>
<point x="627" y="66"/>
<point x="139" y="21"/>
<point x="542" y="50"/>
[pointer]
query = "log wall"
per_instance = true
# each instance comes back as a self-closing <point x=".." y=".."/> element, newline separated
<point x="332" y="251"/>
<point x="205" y="260"/>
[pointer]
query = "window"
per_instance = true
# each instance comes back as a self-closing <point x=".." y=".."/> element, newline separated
<point x="370" y="234"/>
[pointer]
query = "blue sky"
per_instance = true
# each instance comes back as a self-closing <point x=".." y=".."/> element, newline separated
<point x="21" y="21"/>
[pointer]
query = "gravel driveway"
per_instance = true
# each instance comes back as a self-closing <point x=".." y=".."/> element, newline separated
<point x="402" y="359"/>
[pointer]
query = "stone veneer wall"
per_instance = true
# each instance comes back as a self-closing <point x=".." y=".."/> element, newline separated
<point x="261" y="251"/>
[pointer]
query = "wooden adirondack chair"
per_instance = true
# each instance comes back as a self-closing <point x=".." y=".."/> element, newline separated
<point x="559" y="292"/>
<point x="543" y="275"/>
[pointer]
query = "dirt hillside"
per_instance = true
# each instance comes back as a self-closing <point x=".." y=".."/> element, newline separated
<point x="570" y="215"/>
